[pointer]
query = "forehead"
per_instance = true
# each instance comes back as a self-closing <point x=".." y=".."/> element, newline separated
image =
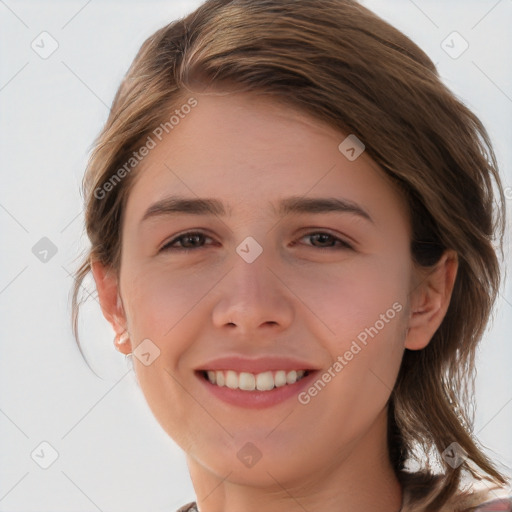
<point x="250" y="151"/>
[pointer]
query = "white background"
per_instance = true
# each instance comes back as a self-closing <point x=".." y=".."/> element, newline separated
<point x="112" y="454"/>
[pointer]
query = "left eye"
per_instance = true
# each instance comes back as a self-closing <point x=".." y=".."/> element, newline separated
<point x="193" y="240"/>
<point x="331" y="241"/>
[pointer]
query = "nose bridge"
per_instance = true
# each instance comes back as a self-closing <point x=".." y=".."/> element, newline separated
<point x="249" y="280"/>
<point x="251" y="294"/>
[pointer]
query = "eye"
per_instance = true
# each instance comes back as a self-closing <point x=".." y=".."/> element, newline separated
<point x="188" y="241"/>
<point x="326" y="241"/>
<point x="195" y="240"/>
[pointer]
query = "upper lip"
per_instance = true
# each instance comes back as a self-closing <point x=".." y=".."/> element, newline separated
<point x="256" y="365"/>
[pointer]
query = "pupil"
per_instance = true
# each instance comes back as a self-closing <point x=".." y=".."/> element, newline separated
<point x="191" y="238"/>
<point x="322" y="238"/>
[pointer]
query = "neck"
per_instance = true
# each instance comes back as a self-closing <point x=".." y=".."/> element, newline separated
<point x="357" y="480"/>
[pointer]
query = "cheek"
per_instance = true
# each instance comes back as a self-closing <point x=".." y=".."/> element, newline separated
<point x="338" y="302"/>
<point x="163" y="306"/>
<point x="352" y="298"/>
<point x="362" y="311"/>
<point x="160" y="300"/>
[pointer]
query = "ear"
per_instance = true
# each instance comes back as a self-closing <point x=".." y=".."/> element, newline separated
<point x="110" y="302"/>
<point x="429" y="301"/>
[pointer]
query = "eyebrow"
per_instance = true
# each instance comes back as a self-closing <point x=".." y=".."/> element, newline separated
<point x="175" y="205"/>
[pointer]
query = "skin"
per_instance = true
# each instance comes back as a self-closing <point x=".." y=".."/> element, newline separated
<point x="295" y="298"/>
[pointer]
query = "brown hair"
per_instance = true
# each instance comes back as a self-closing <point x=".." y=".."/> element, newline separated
<point x="343" y="65"/>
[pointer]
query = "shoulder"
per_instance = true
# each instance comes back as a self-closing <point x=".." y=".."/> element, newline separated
<point x="189" y="507"/>
<point x="495" y="499"/>
<point x="502" y="504"/>
<point x="473" y="496"/>
<point x="483" y="500"/>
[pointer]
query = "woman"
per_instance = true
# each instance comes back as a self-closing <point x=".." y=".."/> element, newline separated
<point x="291" y="223"/>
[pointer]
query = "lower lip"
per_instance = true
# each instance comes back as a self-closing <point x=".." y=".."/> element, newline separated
<point x="257" y="399"/>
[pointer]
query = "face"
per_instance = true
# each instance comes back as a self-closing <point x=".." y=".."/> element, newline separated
<point x="321" y="287"/>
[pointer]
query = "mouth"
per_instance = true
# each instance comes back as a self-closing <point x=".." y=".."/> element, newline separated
<point x="250" y="382"/>
<point x="255" y="390"/>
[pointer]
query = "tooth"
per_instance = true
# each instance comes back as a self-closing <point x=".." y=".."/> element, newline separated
<point x="280" y="378"/>
<point x="291" y="377"/>
<point x="264" y="381"/>
<point x="231" y="379"/>
<point x="247" y="381"/>
<point x="220" y="378"/>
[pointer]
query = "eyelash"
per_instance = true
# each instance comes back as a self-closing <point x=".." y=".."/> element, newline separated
<point x="168" y="246"/>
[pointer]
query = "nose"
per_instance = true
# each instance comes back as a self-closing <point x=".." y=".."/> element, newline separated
<point x="253" y="297"/>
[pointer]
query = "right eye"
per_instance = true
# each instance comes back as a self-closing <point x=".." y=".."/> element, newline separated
<point x="191" y="240"/>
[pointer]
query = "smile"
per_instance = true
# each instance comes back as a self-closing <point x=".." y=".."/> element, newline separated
<point x="264" y="381"/>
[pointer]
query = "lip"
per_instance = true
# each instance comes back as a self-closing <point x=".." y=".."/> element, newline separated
<point x="256" y="399"/>
<point x="262" y="364"/>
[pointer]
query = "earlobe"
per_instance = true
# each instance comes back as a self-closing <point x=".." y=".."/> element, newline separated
<point x="429" y="301"/>
<point x="110" y="301"/>
<point x="122" y="343"/>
